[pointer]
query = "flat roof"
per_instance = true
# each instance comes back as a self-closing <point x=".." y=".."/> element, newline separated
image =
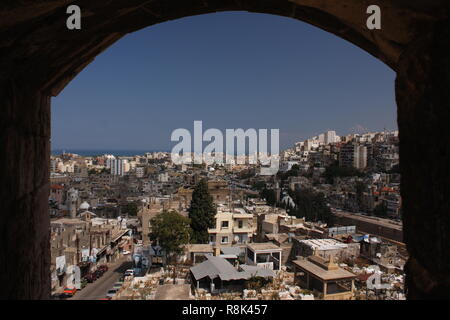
<point x="68" y="221"/>
<point x="324" y="244"/>
<point x="242" y="215"/>
<point x="323" y="274"/>
<point x="231" y="250"/>
<point x="263" y="246"/>
<point x="200" y="248"/>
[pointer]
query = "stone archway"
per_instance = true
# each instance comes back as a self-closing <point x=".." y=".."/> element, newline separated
<point x="39" y="56"/>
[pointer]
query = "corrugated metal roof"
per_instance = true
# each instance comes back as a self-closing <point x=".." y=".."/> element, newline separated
<point x="219" y="267"/>
<point x="253" y="271"/>
<point x="214" y="267"/>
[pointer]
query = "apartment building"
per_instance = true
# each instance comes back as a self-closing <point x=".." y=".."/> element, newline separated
<point x="232" y="227"/>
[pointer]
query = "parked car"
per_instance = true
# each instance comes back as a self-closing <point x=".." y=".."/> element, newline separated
<point x="90" y="277"/>
<point x="111" y="293"/>
<point x="125" y="252"/>
<point x="129" y="272"/>
<point x="70" y="291"/>
<point x="98" y="273"/>
<point x="103" y="268"/>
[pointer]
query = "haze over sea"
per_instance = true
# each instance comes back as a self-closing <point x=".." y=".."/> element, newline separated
<point x="99" y="152"/>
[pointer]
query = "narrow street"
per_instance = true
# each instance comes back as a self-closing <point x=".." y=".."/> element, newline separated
<point x="98" y="289"/>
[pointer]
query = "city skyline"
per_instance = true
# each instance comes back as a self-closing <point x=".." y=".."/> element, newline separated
<point x="115" y="104"/>
<point x="134" y="152"/>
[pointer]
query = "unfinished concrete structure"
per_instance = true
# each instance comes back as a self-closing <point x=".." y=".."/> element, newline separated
<point x="39" y="57"/>
<point x="325" y="278"/>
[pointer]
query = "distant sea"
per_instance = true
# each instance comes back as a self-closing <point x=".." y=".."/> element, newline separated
<point x="99" y="152"/>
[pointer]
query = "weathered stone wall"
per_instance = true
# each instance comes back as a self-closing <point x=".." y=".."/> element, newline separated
<point x="39" y="56"/>
<point x="24" y="190"/>
<point x="35" y="30"/>
<point x="371" y="227"/>
<point x="423" y="99"/>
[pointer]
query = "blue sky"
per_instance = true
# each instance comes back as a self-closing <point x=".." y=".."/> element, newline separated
<point x="230" y="70"/>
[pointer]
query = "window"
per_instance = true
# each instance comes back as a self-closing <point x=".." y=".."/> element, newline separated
<point x="224" y="224"/>
<point x="224" y="240"/>
<point x="240" y="224"/>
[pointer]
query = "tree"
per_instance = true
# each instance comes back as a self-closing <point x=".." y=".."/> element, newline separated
<point x="170" y="230"/>
<point x="293" y="172"/>
<point x="270" y="196"/>
<point x="380" y="210"/>
<point x="202" y="212"/>
<point x="311" y="206"/>
<point x="259" y="185"/>
<point x="131" y="208"/>
<point x="333" y="171"/>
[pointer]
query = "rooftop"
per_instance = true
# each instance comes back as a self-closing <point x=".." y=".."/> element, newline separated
<point x="67" y="221"/>
<point x="199" y="247"/>
<point x="219" y="267"/>
<point x="263" y="246"/>
<point x="314" y="266"/>
<point x="324" y="244"/>
<point x="216" y="267"/>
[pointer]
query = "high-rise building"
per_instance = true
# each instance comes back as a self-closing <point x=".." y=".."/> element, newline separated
<point x="353" y="155"/>
<point x="140" y="172"/>
<point x="118" y="167"/>
<point x="321" y="138"/>
<point x="109" y="159"/>
<point x="361" y="161"/>
<point x="330" y="137"/>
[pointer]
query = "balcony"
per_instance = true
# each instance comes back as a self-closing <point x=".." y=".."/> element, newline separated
<point x="243" y="230"/>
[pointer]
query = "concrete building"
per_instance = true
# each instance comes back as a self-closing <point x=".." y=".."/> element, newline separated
<point x="118" y="167"/>
<point x="325" y="278"/>
<point x="140" y="172"/>
<point x="353" y="155"/>
<point x="330" y="137"/>
<point x="218" y="275"/>
<point x="264" y="255"/>
<point x="326" y="248"/>
<point x="232" y="227"/>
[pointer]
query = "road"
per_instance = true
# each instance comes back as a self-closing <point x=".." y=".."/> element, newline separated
<point x="98" y="289"/>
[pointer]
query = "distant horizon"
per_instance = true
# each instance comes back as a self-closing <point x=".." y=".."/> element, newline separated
<point x="132" y="152"/>
<point x="99" y="152"/>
